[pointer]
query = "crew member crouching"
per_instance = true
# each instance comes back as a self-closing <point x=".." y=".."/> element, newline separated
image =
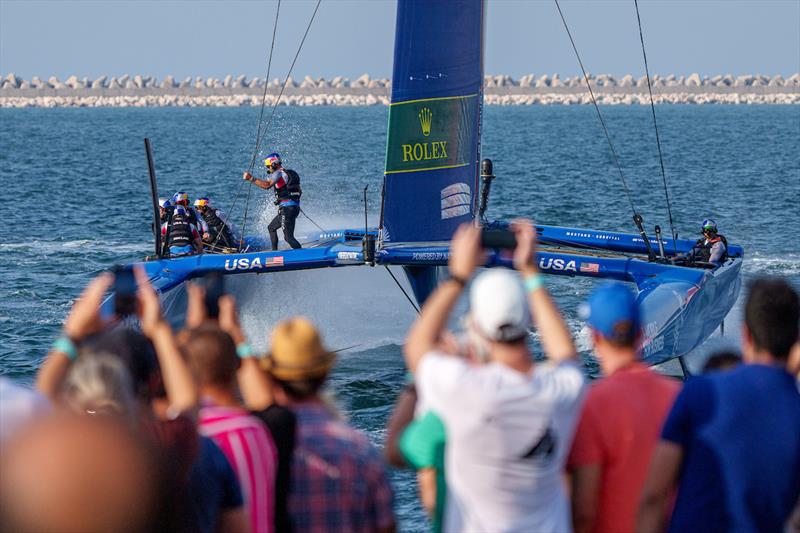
<point x="181" y="236"/>
<point x="221" y="231"/>
<point x="713" y="247"/>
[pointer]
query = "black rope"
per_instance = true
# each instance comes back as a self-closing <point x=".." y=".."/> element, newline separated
<point x="323" y="230"/>
<point x="402" y="289"/>
<point x="655" y="125"/>
<point x="597" y="108"/>
<point x="258" y="134"/>
<point x="260" y="121"/>
<point x="275" y="105"/>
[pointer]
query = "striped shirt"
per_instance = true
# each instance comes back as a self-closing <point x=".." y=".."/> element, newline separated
<point x="251" y="451"/>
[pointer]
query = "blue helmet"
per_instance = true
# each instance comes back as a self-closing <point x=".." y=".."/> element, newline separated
<point x="180" y="197"/>
<point x="709" y="226"/>
<point x="163" y="203"/>
<point x="180" y="211"/>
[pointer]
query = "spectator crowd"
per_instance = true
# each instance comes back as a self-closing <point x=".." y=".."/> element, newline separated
<point x="149" y="429"/>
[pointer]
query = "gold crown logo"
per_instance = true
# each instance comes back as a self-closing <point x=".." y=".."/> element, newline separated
<point x="425" y="117"/>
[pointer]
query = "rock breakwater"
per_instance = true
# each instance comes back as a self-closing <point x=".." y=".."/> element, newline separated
<point x="230" y="91"/>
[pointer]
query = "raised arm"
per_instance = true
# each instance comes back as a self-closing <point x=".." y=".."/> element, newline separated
<point x="181" y="388"/>
<point x="465" y="256"/>
<point x="555" y="336"/>
<point x="83" y="320"/>
<point x="254" y="384"/>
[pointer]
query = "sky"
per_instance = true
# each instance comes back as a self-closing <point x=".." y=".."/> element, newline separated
<point x="350" y="37"/>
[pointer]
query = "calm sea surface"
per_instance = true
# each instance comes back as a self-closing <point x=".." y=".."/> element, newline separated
<point x="75" y="201"/>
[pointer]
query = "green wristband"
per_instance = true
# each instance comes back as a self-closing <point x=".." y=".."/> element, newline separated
<point x="65" y="345"/>
<point x="244" y="351"/>
<point x="534" y="282"/>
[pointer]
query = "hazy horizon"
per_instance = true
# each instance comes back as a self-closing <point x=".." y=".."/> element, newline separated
<point x="349" y="38"/>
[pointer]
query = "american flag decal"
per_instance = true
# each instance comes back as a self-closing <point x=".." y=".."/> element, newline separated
<point x="590" y="267"/>
<point x="274" y="261"/>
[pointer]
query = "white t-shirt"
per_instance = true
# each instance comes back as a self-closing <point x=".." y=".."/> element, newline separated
<point x="508" y="436"/>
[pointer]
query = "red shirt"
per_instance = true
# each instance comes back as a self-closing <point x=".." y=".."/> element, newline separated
<point x="618" y="430"/>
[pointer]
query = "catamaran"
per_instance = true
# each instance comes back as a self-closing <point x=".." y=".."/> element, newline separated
<point x="435" y="180"/>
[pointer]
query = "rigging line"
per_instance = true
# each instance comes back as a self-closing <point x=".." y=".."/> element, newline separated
<point x="655" y="125"/>
<point x="260" y="121"/>
<point x="597" y="108"/>
<point x="291" y="68"/>
<point x="277" y="100"/>
<point x="402" y="289"/>
<point x="323" y="230"/>
<point x="263" y="103"/>
<point x="266" y="85"/>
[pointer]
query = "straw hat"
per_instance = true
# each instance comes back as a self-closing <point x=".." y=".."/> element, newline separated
<point x="297" y="352"/>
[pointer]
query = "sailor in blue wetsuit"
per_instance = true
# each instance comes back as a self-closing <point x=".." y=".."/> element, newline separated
<point x="713" y="247"/>
<point x="181" y="236"/>
<point x="287" y="193"/>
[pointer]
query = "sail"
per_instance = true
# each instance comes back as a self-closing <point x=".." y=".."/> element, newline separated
<point x="433" y="145"/>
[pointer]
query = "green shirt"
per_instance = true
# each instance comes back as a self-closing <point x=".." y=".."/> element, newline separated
<point x="422" y="445"/>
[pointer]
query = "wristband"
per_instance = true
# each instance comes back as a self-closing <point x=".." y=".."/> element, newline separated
<point x="244" y="350"/>
<point x="459" y="280"/>
<point x="534" y="282"/>
<point x="64" y="345"/>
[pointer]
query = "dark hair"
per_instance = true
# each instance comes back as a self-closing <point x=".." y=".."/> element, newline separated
<point x="211" y="354"/>
<point x="772" y="316"/>
<point x="624" y="335"/>
<point x="722" y="360"/>
<point x="137" y="353"/>
<point x="302" y="389"/>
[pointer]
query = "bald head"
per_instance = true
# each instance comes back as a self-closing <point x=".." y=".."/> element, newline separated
<point x="68" y="473"/>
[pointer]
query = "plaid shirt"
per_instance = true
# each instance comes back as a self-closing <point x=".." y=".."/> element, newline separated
<point x="339" y="482"/>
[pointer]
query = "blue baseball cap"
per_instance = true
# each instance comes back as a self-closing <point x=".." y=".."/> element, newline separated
<point x="612" y="311"/>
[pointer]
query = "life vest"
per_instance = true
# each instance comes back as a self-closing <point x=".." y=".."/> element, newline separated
<point x="702" y="249"/>
<point x="292" y="190"/>
<point x="179" y="232"/>
<point x="218" y="227"/>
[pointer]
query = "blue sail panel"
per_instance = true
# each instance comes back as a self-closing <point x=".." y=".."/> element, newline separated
<point x="432" y="152"/>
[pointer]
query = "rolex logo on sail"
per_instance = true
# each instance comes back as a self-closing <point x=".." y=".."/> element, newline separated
<point x="425" y="151"/>
<point x="425" y="117"/>
<point x="432" y="133"/>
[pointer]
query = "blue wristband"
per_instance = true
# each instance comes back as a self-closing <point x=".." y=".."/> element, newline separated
<point x="534" y="282"/>
<point x="65" y="345"/>
<point x="244" y="351"/>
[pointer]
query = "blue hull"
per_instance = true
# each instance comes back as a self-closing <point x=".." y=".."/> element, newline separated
<point x="681" y="306"/>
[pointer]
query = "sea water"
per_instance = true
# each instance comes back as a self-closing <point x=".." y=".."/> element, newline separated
<point x="75" y="200"/>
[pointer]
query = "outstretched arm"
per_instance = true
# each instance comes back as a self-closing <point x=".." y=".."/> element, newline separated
<point x="556" y="339"/>
<point x="264" y="184"/>
<point x="465" y="256"/>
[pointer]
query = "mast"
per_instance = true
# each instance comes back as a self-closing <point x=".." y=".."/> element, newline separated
<point x="433" y="143"/>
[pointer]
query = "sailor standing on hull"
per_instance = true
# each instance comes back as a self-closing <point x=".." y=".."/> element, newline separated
<point x="287" y="192"/>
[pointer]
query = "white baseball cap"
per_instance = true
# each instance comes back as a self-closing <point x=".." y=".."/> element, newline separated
<point x="498" y="306"/>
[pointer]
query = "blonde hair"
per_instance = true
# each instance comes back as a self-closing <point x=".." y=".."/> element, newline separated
<point x="99" y="383"/>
